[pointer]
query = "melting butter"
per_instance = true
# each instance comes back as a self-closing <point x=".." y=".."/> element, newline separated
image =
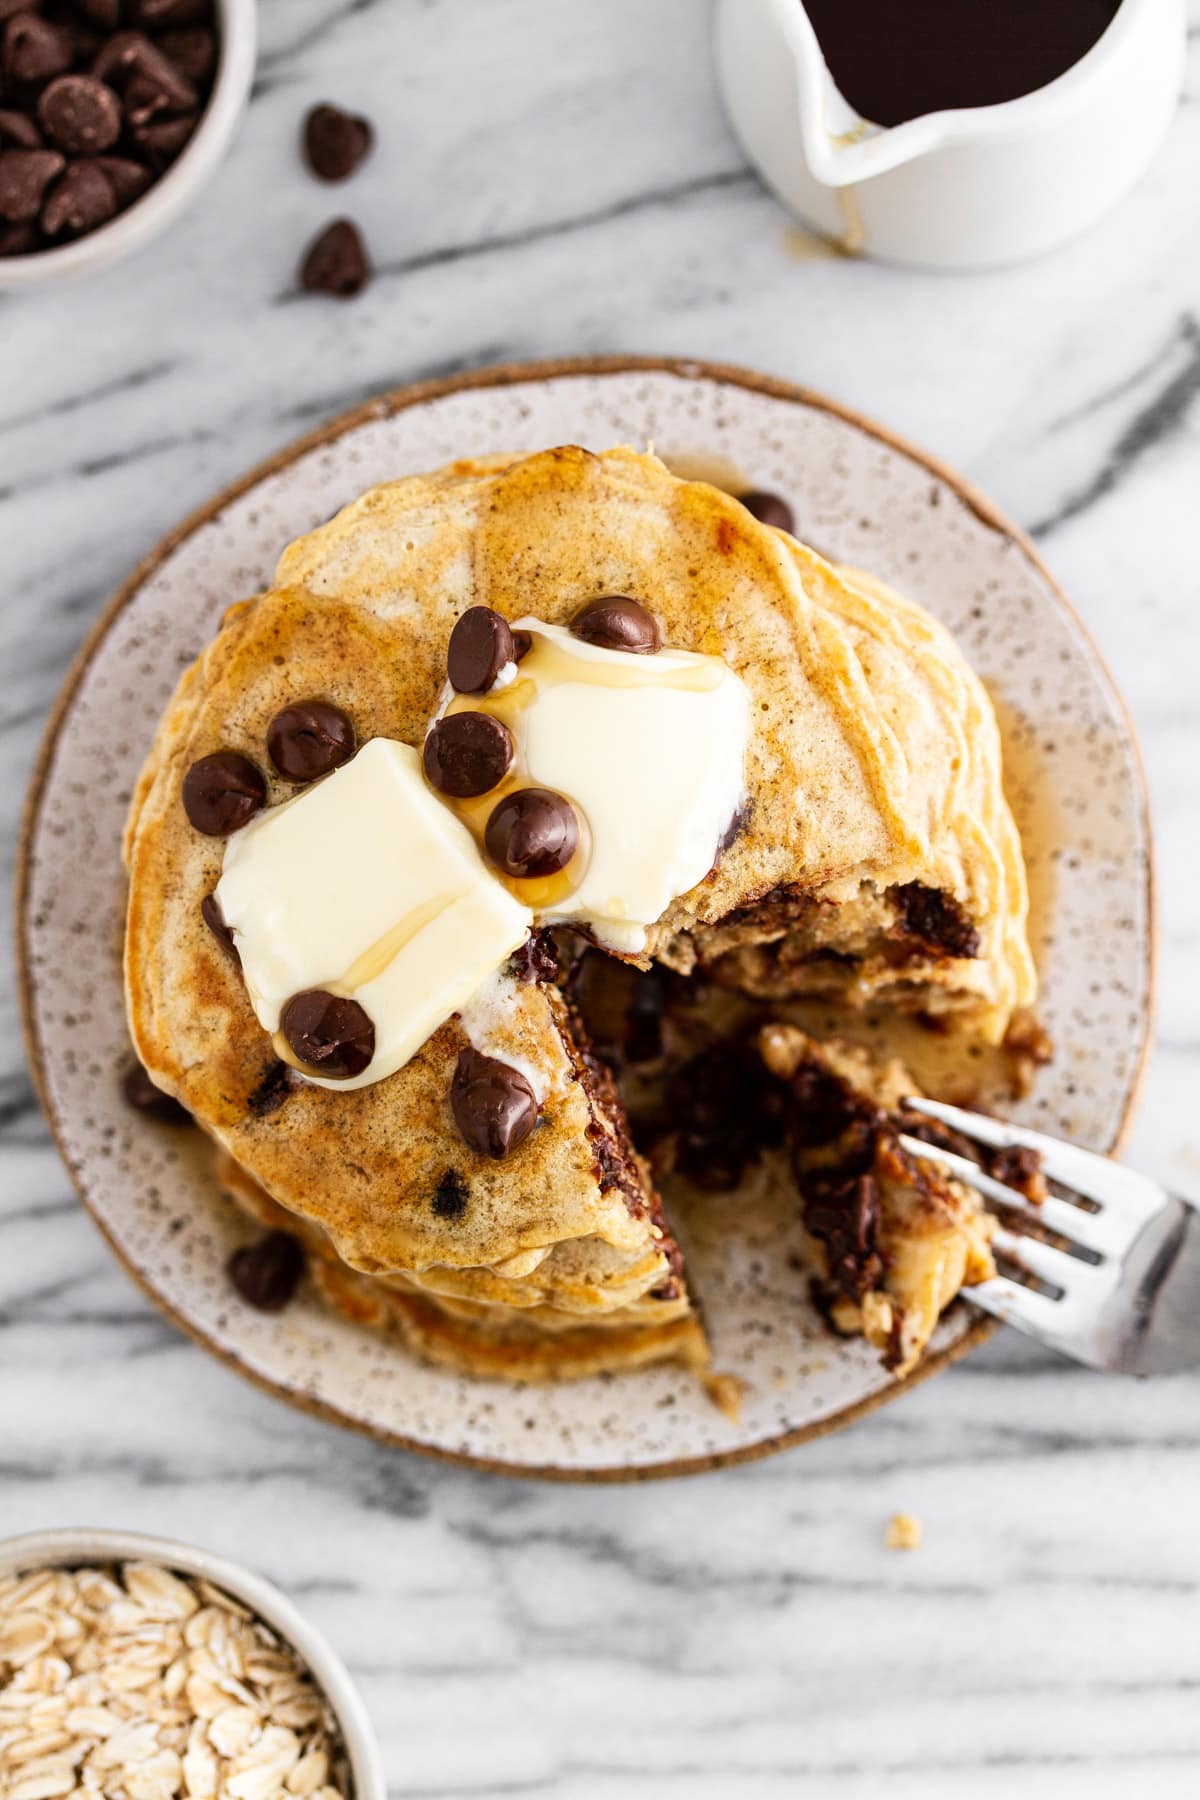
<point x="366" y="884"/>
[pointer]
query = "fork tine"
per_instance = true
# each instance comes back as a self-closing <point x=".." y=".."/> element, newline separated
<point x="1096" y="1177"/>
<point x="1057" y="1267"/>
<point x="1020" y="1306"/>
<point x="1084" y="1228"/>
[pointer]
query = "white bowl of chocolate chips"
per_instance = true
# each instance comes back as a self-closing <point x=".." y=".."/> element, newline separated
<point x="113" y="113"/>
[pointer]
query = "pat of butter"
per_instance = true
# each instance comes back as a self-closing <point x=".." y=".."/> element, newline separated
<point x="365" y="884"/>
<point x="652" y="749"/>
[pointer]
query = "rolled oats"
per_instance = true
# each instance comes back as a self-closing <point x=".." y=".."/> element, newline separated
<point x="140" y="1684"/>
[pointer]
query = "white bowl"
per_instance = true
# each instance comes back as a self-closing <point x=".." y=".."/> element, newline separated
<point x="165" y="200"/>
<point x="75" y="1548"/>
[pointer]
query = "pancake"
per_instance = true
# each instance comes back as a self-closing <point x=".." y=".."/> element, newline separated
<point x="874" y="859"/>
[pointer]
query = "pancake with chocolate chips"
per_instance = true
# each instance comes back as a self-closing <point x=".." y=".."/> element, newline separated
<point x="563" y="697"/>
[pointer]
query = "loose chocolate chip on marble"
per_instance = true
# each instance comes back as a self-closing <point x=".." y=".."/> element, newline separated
<point x="24" y="177"/>
<point x="329" y="1033"/>
<point x="35" y="50"/>
<point x="128" y="179"/>
<point x="193" y="51"/>
<point x="537" y="958"/>
<point x="480" y="646"/>
<point x="162" y="139"/>
<point x="80" y="200"/>
<point x="214" y="918"/>
<point x="615" y="622"/>
<point x="467" y="753"/>
<point x="80" y="114"/>
<point x="310" y="739"/>
<point x="769" y="509"/>
<point x="268" y="1273"/>
<point x="450" y="1196"/>
<point x="335" y="142"/>
<point x="493" y="1104"/>
<point x="336" y="262"/>
<point x="532" y="833"/>
<point x="278" y="1081"/>
<point x="141" y="1093"/>
<point x="222" y="792"/>
<point x="18" y="131"/>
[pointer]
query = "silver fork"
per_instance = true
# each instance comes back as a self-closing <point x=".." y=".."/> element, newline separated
<point x="1125" y="1294"/>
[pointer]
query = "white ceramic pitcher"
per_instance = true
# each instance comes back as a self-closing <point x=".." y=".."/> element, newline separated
<point x="964" y="188"/>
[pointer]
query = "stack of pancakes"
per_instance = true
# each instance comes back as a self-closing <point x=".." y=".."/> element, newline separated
<point x="875" y="861"/>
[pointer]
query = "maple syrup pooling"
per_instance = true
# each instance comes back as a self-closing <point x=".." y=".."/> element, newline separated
<point x="894" y="60"/>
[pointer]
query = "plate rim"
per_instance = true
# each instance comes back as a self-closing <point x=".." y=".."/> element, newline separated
<point x="386" y="405"/>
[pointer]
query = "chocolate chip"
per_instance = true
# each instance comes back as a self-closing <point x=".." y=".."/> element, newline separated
<point x="104" y="13"/>
<point x="35" y="50"/>
<point x="141" y="1093"/>
<point x="522" y="645"/>
<point x="161" y="141"/>
<point x="616" y="622"/>
<point x="24" y="177"/>
<point x="19" y="240"/>
<point x="335" y="142"/>
<point x="770" y="509"/>
<point x="157" y="15"/>
<point x="214" y="918"/>
<point x="329" y="1033"/>
<point x="310" y="739"/>
<point x="278" y="1081"/>
<point x="532" y="833"/>
<point x="336" y="262"/>
<point x="9" y="7"/>
<point x="845" y="1216"/>
<point x="128" y="180"/>
<point x="268" y="1273"/>
<point x="936" y="919"/>
<point x="80" y="114"/>
<point x="80" y="200"/>
<point x="450" y="1197"/>
<point x="149" y="82"/>
<point x="493" y="1104"/>
<point x="222" y="792"/>
<point x="537" y="958"/>
<point x="194" y="53"/>
<point x="467" y="753"/>
<point x="18" y="131"/>
<point x="480" y="646"/>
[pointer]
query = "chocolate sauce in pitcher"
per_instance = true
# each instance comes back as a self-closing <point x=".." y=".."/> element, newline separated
<point x="896" y="59"/>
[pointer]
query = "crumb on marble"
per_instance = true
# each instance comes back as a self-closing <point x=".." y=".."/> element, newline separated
<point x="904" y="1532"/>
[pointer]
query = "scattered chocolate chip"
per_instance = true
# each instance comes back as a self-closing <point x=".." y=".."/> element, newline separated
<point x="127" y="179"/>
<point x="770" y="509"/>
<point x="80" y="114"/>
<point x="278" y="1081"/>
<point x="616" y="622"/>
<point x="35" y="50"/>
<point x="222" y="792"/>
<point x="24" y="177"/>
<point x="214" y="918"/>
<point x="80" y="200"/>
<point x="18" y="131"/>
<point x="336" y="262"/>
<point x="493" y="1104"/>
<point x="162" y="139"/>
<point x="310" y="739"/>
<point x="537" y="958"/>
<point x="141" y="1093"/>
<point x="450" y="1197"/>
<point x="335" y="142"/>
<point x="194" y="53"/>
<point x="532" y="833"/>
<point x="481" y="644"/>
<point x="268" y="1273"/>
<point x="329" y="1033"/>
<point x="467" y="753"/>
<point x="936" y="919"/>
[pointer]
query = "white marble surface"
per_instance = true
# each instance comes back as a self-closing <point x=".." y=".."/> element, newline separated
<point x="554" y="179"/>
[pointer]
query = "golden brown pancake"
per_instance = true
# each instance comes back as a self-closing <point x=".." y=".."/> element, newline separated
<point x="876" y="858"/>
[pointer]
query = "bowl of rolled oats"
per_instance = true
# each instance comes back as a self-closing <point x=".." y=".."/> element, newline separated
<point x="134" y="1668"/>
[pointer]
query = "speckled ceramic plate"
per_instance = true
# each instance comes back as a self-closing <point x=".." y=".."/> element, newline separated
<point x="859" y="496"/>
